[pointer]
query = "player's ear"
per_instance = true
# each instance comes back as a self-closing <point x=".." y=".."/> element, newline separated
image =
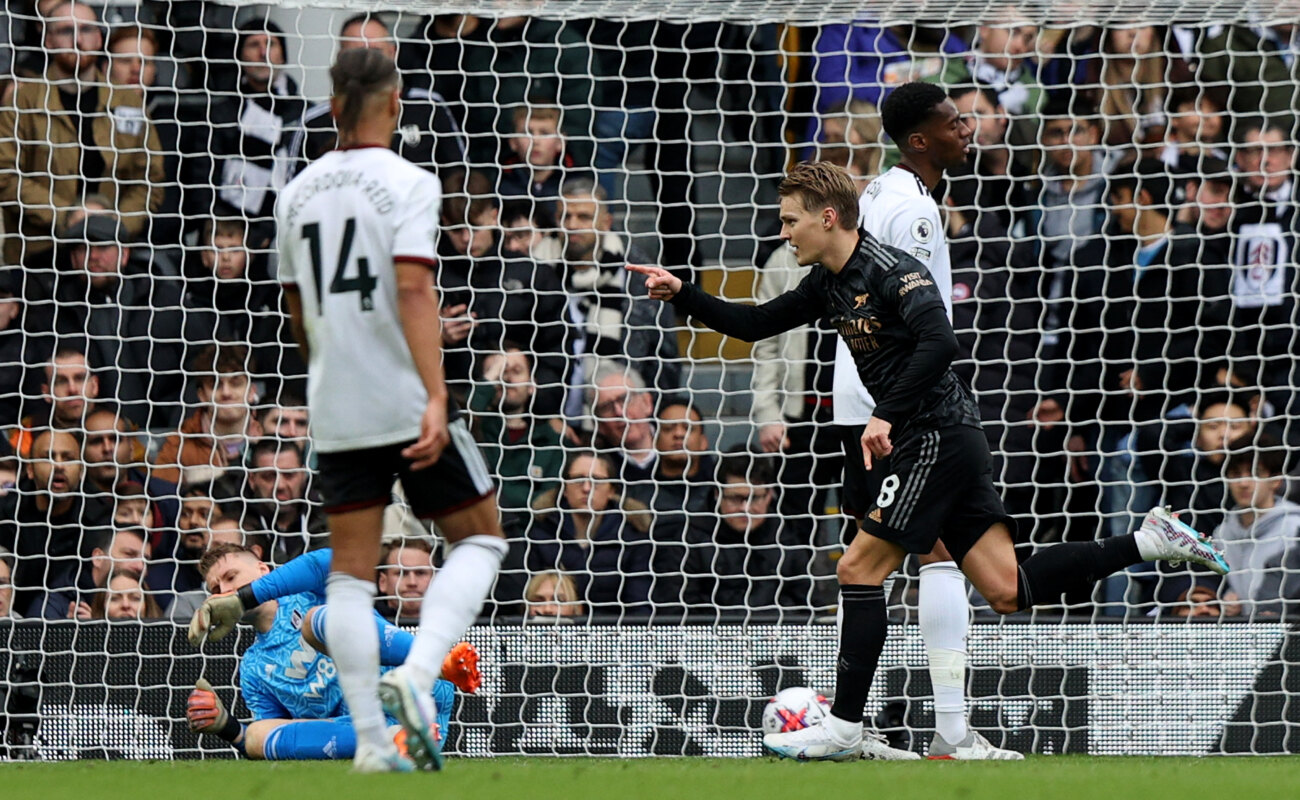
<point x="829" y="218"/>
<point x="917" y="141"/>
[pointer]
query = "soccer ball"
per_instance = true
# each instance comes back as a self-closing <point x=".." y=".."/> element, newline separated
<point x="794" y="709"/>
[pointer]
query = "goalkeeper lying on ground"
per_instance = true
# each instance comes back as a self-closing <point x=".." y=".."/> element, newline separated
<point x="286" y="676"/>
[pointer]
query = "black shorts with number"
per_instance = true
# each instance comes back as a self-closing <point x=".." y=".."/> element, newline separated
<point x="351" y="480"/>
<point x="939" y="485"/>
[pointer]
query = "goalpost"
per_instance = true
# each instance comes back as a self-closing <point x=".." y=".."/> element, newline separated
<point x="685" y="116"/>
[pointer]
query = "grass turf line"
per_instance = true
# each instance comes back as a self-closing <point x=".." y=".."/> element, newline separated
<point x="1050" y="778"/>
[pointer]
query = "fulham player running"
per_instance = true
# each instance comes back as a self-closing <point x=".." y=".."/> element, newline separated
<point x="898" y="209"/>
<point x="940" y="483"/>
<point x="357" y="238"/>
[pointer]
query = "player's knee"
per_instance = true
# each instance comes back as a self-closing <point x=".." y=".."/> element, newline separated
<point x="255" y="737"/>
<point x="1003" y="597"/>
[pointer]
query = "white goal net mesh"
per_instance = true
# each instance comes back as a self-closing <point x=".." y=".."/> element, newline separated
<point x="1123" y="246"/>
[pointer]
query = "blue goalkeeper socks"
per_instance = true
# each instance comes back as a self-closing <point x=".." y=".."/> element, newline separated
<point x="394" y="643"/>
<point x="325" y="739"/>
<point x="311" y="740"/>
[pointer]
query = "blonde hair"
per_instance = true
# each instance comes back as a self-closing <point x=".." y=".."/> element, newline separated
<point x="566" y="589"/>
<point x="821" y="184"/>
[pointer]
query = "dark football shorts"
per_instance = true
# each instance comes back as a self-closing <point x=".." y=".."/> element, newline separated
<point x="351" y="480"/>
<point x="861" y="485"/>
<point x="939" y="485"/>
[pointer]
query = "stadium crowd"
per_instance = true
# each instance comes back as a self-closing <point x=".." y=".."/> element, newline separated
<point x="1124" y="291"/>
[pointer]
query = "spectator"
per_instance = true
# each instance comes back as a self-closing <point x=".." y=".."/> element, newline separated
<point x="289" y="419"/>
<point x="236" y="148"/>
<point x="537" y="162"/>
<point x="1189" y="459"/>
<point x="405" y="571"/>
<point x="1261" y="535"/>
<point x="1003" y="184"/>
<point x="742" y="559"/>
<point x="13" y="349"/>
<point x="588" y="531"/>
<point x="125" y="599"/>
<point x="553" y="595"/>
<point x="7" y="610"/>
<point x="427" y="132"/>
<point x="179" y="550"/>
<point x="43" y="523"/>
<point x="483" y="305"/>
<point x="115" y="458"/>
<point x="229" y="298"/>
<point x="544" y="58"/>
<point x="523" y="234"/>
<point x="8" y="468"/>
<point x="864" y="62"/>
<point x="279" y="501"/>
<point x="680" y="484"/>
<point x="1000" y="60"/>
<point x="1072" y="202"/>
<point x="47" y="164"/>
<point x="131" y="52"/>
<point x="1134" y="78"/>
<point x="1195" y="128"/>
<point x="70" y="391"/>
<point x="129" y="320"/>
<point x="229" y="531"/>
<point x="102" y="552"/>
<point x="610" y="312"/>
<point x="218" y="433"/>
<point x="623" y="409"/>
<point x="522" y="450"/>
<point x="1264" y="155"/>
<point x="1149" y="314"/>
<point x="131" y="507"/>
<point x="1255" y="65"/>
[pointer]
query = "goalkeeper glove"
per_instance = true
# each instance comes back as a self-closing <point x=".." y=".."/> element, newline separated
<point x="461" y="668"/>
<point x="219" y="615"/>
<point x="207" y="714"/>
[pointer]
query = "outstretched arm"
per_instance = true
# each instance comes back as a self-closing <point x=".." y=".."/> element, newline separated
<point x="799" y="306"/>
<point x="306" y="573"/>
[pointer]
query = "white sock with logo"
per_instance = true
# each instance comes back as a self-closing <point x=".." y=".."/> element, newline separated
<point x="944" y="612"/>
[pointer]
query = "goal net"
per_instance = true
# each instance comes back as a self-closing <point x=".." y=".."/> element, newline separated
<point x="1123" y="287"/>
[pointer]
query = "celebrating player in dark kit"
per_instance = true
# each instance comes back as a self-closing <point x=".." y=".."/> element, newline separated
<point x="940" y="480"/>
<point x="358" y="242"/>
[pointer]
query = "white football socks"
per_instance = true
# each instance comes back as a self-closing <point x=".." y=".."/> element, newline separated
<point x="451" y="603"/>
<point x="944" y="611"/>
<point x="354" y="647"/>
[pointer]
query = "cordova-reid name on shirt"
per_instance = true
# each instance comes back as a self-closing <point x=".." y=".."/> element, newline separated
<point x="371" y="188"/>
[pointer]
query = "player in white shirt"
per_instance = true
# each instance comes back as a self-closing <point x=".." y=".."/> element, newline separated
<point x="898" y="209"/>
<point x="357" y="236"/>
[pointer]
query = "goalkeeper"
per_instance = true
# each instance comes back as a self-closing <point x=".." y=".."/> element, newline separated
<point x="286" y="676"/>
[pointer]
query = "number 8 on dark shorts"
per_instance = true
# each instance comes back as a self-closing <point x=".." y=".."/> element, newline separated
<point x="939" y="486"/>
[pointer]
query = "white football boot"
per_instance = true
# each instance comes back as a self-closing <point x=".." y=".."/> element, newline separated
<point x="368" y="760"/>
<point x="876" y="748"/>
<point x="814" y="743"/>
<point x="1163" y="537"/>
<point x="973" y="748"/>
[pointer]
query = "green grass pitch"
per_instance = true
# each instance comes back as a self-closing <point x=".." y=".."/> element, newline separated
<point x="1048" y="778"/>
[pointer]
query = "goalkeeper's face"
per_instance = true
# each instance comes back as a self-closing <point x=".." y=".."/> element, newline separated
<point x="234" y="570"/>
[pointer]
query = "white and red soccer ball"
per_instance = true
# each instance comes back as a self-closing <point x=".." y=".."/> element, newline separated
<point x="794" y="709"/>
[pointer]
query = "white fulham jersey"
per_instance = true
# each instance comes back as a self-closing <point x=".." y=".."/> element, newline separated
<point x="342" y="224"/>
<point x="897" y="209"/>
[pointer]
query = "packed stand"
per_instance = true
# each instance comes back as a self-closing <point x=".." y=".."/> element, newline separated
<point x="1123" y="244"/>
